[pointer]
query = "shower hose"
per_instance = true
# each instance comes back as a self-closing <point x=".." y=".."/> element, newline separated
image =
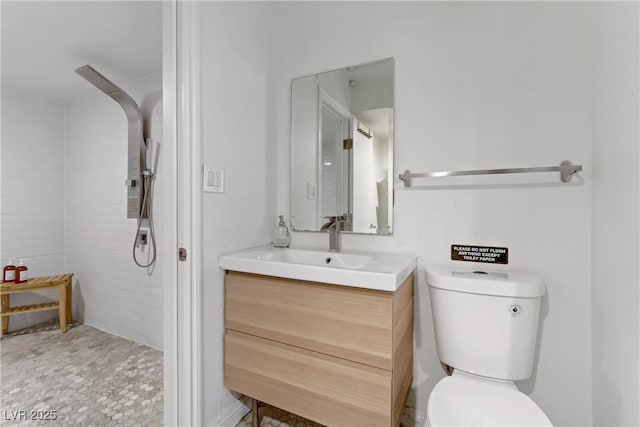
<point x="147" y="178"/>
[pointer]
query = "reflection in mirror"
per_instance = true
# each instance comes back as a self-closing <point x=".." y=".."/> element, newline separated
<point x="342" y="149"/>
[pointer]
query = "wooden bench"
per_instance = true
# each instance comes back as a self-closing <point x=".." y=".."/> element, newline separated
<point x="62" y="282"/>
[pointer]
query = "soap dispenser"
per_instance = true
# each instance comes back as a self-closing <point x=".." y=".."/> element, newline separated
<point x="9" y="271"/>
<point x="281" y="235"/>
<point x="21" y="271"/>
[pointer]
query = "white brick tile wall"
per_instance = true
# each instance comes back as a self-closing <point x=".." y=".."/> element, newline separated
<point x="32" y="188"/>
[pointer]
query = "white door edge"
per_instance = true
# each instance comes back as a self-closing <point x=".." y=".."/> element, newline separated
<point x="181" y="165"/>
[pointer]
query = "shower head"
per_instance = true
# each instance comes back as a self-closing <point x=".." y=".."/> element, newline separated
<point x="109" y="88"/>
<point x="98" y="80"/>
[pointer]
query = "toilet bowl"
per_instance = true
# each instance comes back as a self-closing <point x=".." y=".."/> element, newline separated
<point x="485" y="325"/>
<point x="470" y="400"/>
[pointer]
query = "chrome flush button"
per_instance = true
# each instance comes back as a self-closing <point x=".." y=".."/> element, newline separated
<point x="515" y="309"/>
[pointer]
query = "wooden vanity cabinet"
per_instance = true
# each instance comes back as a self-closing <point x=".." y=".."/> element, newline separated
<point x="338" y="355"/>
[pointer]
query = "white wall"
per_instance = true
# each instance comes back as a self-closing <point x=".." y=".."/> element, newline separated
<point x="477" y="85"/>
<point x="33" y="192"/>
<point x="237" y="130"/>
<point x="110" y="292"/>
<point x="615" y="257"/>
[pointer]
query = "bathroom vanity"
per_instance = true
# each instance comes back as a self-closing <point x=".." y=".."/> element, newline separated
<point x="337" y="354"/>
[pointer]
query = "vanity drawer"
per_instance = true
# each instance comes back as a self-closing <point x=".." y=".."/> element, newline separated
<point x="327" y="389"/>
<point x="350" y="323"/>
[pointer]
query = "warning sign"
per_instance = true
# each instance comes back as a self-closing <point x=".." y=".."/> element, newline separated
<point x="488" y="254"/>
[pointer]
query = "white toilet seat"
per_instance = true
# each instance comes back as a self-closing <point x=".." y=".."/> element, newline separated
<point x="465" y="399"/>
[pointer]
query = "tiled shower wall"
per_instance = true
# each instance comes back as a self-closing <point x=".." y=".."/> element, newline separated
<point x="111" y="292"/>
<point x="32" y="191"/>
<point x="64" y="166"/>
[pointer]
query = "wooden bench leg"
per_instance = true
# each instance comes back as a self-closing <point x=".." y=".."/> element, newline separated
<point x="62" y="307"/>
<point x="5" y="319"/>
<point x="69" y="302"/>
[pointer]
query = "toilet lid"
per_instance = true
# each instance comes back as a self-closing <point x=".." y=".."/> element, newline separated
<point x="466" y="401"/>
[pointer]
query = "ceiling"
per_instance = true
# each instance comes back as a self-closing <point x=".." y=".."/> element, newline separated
<point x="44" y="42"/>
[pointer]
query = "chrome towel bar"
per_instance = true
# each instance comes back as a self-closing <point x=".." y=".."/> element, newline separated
<point x="566" y="170"/>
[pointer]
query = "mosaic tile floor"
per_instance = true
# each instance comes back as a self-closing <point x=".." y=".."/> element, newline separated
<point x="274" y="417"/>
<point x="88" y="377"/>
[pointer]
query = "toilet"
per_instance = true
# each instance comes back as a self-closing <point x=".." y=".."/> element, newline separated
<point x="485" y="326"/>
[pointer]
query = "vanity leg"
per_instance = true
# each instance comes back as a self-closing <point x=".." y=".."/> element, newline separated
<point x="255" y="422"/>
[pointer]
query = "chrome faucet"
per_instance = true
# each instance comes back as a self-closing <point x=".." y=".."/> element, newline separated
<point x="334" y="226"/>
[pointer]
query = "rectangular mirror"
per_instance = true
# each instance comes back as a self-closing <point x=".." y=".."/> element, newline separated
<point x="342" y="149"/>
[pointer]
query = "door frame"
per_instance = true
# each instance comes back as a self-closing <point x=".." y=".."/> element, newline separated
<point x="182" y="213"/>
<point x="326" y="100"/>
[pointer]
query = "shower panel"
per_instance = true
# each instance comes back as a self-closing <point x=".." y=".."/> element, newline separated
<point x="136" y="148"/>
<point x="141" y="171"/>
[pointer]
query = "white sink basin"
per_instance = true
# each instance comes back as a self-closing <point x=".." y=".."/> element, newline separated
<point x="324" y="259"/>
<point x="385" y="272"/>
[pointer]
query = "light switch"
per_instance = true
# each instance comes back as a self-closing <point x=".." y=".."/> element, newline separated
<point x="312" y="191"/>
<point x="212" y="180"/>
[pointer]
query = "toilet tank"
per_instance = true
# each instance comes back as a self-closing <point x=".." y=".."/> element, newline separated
<point x="486" y="323"/>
